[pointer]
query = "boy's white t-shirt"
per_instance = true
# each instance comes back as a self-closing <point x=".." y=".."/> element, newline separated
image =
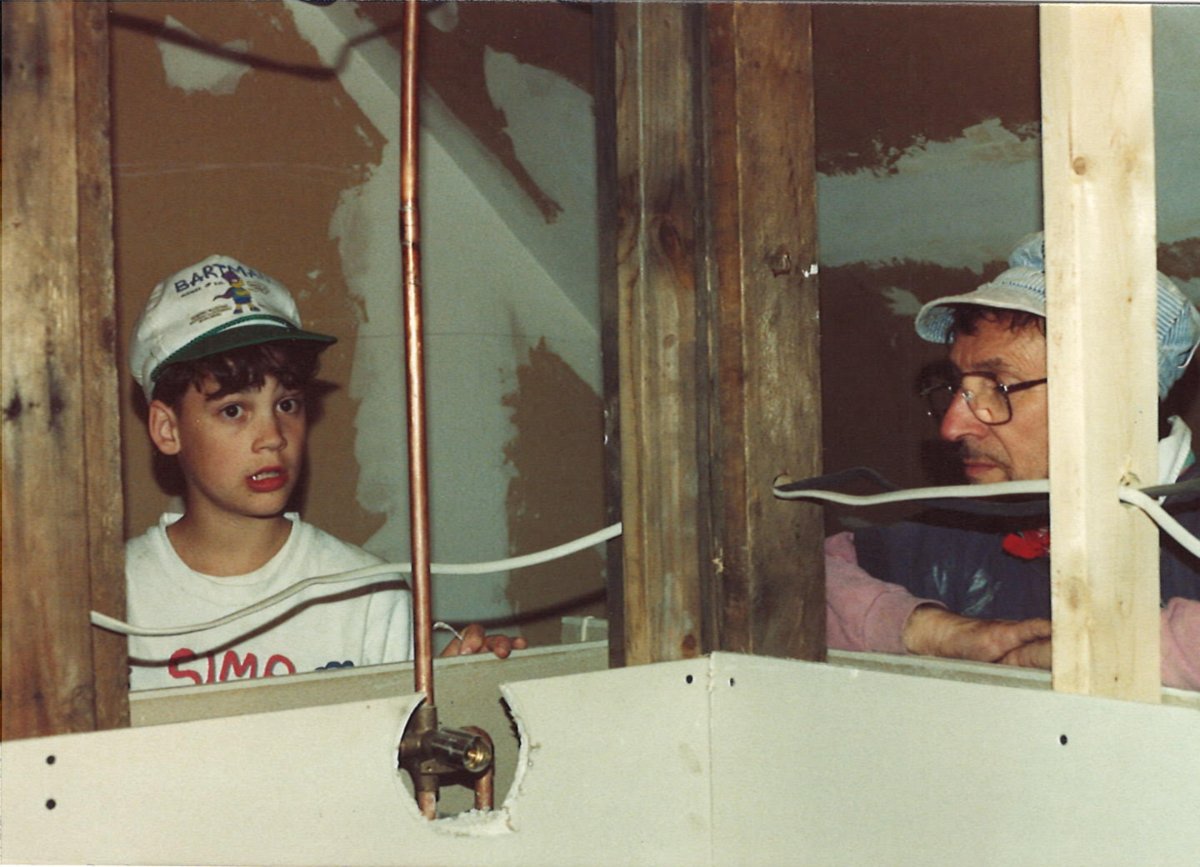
<point x="302" y="633"/>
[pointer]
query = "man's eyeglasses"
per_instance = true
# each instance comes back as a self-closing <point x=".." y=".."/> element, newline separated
<point x="986" y="396"/>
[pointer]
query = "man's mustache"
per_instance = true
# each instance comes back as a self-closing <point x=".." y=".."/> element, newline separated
<point x="966" y="454"/>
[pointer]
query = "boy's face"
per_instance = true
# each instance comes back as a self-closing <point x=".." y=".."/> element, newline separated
<point x="241" y="453"/>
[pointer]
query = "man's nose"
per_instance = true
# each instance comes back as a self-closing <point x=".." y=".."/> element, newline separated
<point x="960" y="422"/>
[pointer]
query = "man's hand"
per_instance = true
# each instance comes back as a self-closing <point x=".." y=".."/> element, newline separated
<point x="933" y="631"/>
<point x="474" y="639"/>
<point x="1035" y="654"/>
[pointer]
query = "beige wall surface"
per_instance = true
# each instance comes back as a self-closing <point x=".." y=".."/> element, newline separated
<point x="212" y="156"/>
<point x="235" y="134"/>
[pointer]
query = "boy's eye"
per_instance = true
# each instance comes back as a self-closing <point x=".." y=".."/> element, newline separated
<point x="232" y="410"/>
<point x="291" y="405"/>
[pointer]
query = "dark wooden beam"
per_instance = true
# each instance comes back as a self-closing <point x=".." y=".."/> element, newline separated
<point x="718" y="328"/>
<point x="657" y="153"/>
<point x="62" y="507"/>
<point x="604" y="56"/>
<point x="100" y="363"/>
<point x="763" y="330"/>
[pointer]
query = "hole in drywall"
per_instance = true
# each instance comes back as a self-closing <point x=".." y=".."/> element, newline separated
<point x="50" y="760"/>
<point x="731" y="681"/>
<point x="51" y="804"/>
<point x="456" y="790"/>
<point x="688" y="679"/>
<point x="1062" y="739"/>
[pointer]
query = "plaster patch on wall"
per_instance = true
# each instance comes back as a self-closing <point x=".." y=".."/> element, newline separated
<point x="1176" y="119"/>
<point x="557" y="459"/>
<point x="902" y="302"/>
<point x="191" y="70"/>
<point x="888" y="76"/>
<point x="534" y="100"/>
<point x="987" y="142"/>
<point x="445" y="16"/>
<point x="978" y="194"/>
<point x="453" y="66"/>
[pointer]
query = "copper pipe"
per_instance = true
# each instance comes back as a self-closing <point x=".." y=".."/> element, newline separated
<point x="418" y="481"/>
<point x="485" y="783"/>
<point x="427" y="804"/>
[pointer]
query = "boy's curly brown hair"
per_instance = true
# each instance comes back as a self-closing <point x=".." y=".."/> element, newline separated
<point x="293" y="363"/>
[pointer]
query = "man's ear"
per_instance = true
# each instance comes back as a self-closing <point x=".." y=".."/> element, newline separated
<point x="164" y="427"/>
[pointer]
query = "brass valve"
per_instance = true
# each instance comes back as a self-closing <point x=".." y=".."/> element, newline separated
<point x="428" y="752"/>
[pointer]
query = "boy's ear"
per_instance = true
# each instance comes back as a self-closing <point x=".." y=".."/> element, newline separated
<point x="164" y="427"/>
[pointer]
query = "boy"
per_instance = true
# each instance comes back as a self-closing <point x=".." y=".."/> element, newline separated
<point x="226" y="369"/>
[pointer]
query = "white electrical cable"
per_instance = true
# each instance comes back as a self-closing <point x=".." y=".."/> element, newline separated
<point x="1161" y="517"/>
<point x="610" y="532"/>
<point x="995" y="489"/>
<point x="1132" y="496"/>
<point x="1128" y="495"/>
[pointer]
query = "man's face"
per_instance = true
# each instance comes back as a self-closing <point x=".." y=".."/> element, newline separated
<point x="1019" y="449"/>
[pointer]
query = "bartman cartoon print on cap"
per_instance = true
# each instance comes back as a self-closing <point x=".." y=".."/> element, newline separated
<point x="213" y="306"/>
<point x="238" y="292"/>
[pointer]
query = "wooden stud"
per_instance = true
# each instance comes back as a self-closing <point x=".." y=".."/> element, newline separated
<point x="656" y="275"/>
<point x="604" y="55"/>
<point x="100" y="365"/>
<point x="769" y="591"/>
<point x="1098" y="169"/>
<point x="62" y="516"/>
<point x="717" y="323"/>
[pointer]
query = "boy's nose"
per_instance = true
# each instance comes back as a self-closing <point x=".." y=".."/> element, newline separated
<point x="271" y="436"/>
<point x="959" y="421"/>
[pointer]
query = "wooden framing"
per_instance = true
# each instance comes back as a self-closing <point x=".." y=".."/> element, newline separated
<point x="717" y="331"/>
<point x="657" y="321"/>
<point x="717" y="317"/>
<point x="1098" y="170"/>
<point x="62" y="506"/>
<point x="763" y="334"/>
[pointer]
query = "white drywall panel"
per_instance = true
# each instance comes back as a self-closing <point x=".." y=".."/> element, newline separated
<point x="317" y="785"/>
<point x="859" y="767"/>
<point x="467" y="689"/>
<point x="751" y="761"/>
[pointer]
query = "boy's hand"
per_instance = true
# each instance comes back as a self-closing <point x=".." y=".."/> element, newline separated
<point x="475" y="640"/>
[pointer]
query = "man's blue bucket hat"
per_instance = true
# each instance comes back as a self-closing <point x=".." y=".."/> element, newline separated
<point x="1023" y="287"/>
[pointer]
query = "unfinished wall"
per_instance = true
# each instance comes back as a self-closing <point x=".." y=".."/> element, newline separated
<point x="213" y="156"/>
<point x="929" y="161"/>
<point x="294" y="169"/>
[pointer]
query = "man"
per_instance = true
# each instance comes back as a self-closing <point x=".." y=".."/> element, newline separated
<point x="984" y="593"/>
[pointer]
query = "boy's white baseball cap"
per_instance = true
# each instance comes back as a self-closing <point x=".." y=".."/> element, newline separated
<point x="213" y="306"/>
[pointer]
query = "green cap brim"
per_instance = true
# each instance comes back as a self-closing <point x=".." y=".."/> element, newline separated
<point x="237" y="338"/>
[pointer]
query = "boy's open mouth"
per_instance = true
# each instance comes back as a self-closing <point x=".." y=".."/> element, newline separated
<point x="268" y="479"/>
